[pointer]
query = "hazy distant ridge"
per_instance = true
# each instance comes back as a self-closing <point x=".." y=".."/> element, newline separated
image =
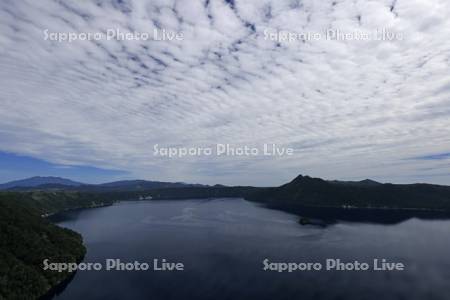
<point x="39" y="180"/>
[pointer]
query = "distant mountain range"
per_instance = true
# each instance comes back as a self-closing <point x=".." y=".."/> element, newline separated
<point x="38" y="181"/>
<point x="302" y="191"/>
<point x="46" y="183"/>
<point x="144" y="185"/>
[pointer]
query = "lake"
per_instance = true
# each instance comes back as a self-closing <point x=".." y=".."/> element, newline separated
<point x="222" y="244"/>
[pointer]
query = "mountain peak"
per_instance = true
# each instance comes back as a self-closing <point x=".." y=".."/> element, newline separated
<point x="305" y="181"/>
<point x="304" y="178"/>
<point x="369" y="182"/>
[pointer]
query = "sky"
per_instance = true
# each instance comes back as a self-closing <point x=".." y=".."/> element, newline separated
<point x="349" y="108"/>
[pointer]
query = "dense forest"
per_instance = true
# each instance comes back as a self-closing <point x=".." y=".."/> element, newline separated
<point x="26" y="240"/>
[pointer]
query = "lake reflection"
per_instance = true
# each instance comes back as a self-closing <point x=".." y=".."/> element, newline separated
<point x="222" y="243"/>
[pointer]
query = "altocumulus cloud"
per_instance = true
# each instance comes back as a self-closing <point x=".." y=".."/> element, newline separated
<point x="351" y="109"/>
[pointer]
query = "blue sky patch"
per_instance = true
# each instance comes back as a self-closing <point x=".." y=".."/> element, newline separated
<point x="13" y="167"/>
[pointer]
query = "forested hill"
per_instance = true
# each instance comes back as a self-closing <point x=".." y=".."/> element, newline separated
<point x="26" y="240"/>
<point x="316" y="192"/>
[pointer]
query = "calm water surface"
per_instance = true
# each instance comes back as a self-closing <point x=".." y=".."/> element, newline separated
<point x="222" y="244"/>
